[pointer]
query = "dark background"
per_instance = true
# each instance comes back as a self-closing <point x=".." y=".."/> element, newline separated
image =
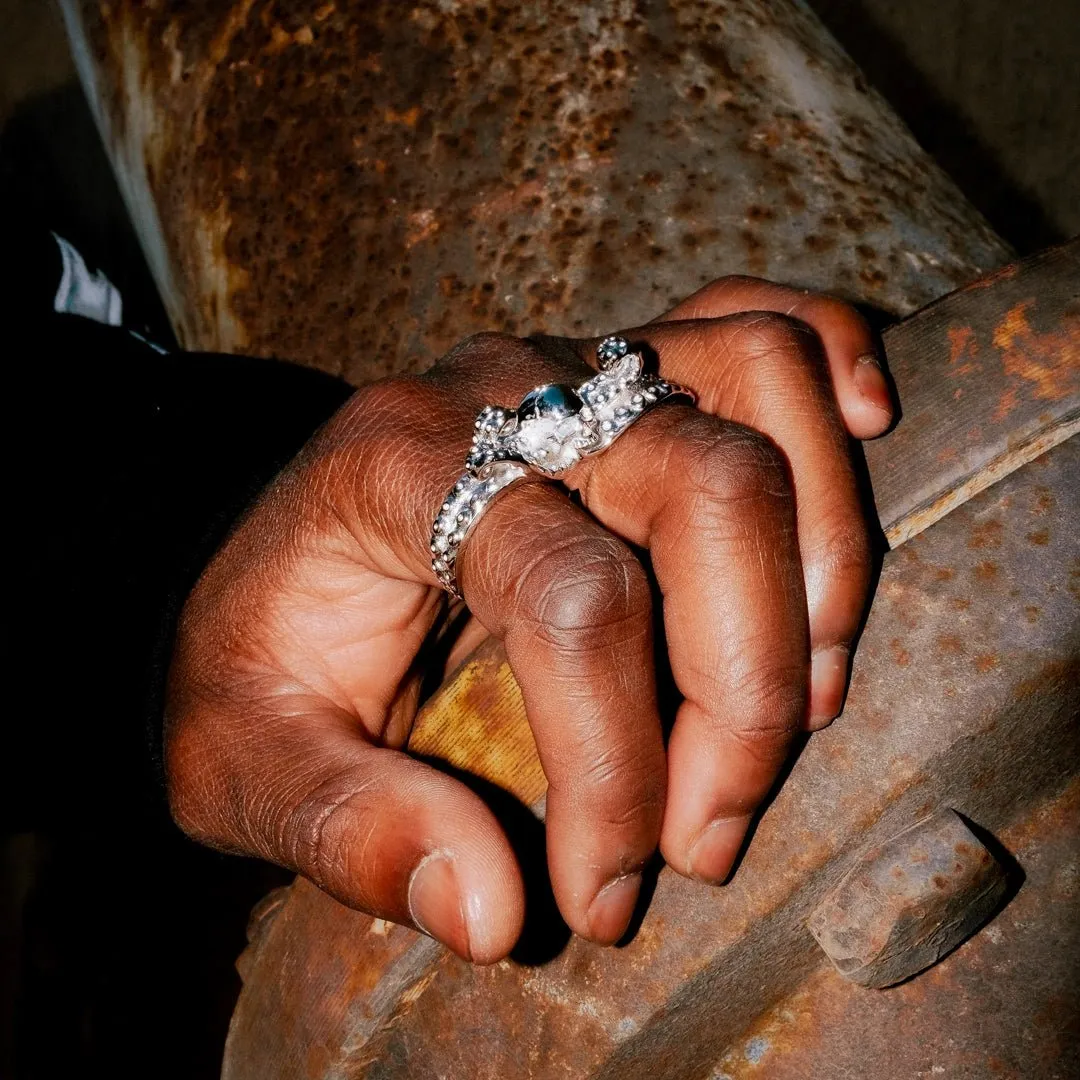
<point x="990" y="87"/>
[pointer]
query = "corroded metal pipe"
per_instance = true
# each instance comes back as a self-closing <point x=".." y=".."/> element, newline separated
<point x="357" y="185"/>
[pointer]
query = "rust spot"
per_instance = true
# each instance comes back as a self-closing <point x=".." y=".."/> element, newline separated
<point x="1040" y="538"/>
<point x="1008" y="401"/>
<point x="900" y="654"/>
<point x="1031" y="613"/>
<point x="950" y="644"/>
<point x="985" y="662"/>
<point x="945" y="573"/>
<point x="963" y="350"/>
<point x="986" y="534"/>
<point x="817" y="243"/>
<point x="986" y="571"/>
<point x="1044" y="501"/>
<point x="1049" y="361"/>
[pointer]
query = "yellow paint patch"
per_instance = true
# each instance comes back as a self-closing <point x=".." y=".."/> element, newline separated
<point x="476" y="722"/>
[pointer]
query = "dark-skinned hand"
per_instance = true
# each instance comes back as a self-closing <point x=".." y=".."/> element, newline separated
<point x="294" y="682"/>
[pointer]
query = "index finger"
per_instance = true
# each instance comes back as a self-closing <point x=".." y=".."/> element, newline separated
<point x="853" y="355"/>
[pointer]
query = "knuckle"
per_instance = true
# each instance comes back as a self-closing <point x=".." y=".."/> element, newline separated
<point x="320" y="834"/>
<point x="478" y="354"/>
<point x="483" y="343"/>
<point x="718" y="291"/>
<point x="765" y="334"/>
<point x="771" y="700"/>
<point x="843" y="550"/>
<point x="621" y="785"/>
<point x="831" y="309"/>
<point x="594" y="585"/>
<point x="734" y="464"/>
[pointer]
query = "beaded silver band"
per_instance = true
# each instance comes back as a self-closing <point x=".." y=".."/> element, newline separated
<point x="553" y="428"/>
<point x="464" y="504"/>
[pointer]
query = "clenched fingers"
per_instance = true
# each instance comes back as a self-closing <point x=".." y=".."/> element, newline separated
<point x="713" y="503"/>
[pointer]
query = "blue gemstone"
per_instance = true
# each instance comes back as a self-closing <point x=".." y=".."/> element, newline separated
<point x="554" y="401"/>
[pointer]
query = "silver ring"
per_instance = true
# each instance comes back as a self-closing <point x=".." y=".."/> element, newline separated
<point x="553" y="428"/>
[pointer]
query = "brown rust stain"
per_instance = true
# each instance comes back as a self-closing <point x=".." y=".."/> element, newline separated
<point x="963" y="350"/>
<point x="986" y="571"/>
<point x="986" y="534"/>
<point x="1045" y="500"/>
<point x="899" y="653"/>
<point x="950" y="645"/>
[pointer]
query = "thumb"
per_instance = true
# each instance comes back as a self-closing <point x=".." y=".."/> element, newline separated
<point x="374" y="828"/>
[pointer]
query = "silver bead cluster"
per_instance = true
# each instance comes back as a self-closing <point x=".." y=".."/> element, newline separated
<point x="487" y="444"/>
<point x="621" y="391"/>
<point x="610" y="350"/>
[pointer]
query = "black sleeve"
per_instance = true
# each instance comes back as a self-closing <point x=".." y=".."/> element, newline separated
<point x="129" y="467"/>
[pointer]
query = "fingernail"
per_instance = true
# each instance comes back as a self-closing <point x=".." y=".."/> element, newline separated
<point x="435" y="903"/>
<point x="612" y="907"/>
<point x="713" y="853"/>
<point x="871" y="383"/>
<point x="828" y="681"/>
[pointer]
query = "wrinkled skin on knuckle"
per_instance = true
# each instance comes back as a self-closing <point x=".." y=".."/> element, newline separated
<point x="771" y="700"/>
<point x="843" y="553"/>
<point x="732" y="465"/>
<point x="587" y="594"/>
<point x="621" y="787"/>
<point x="319" y="835"/>
<point x="768" y="334"/>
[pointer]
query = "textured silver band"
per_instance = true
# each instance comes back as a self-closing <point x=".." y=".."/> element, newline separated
<point x="553" y="428"/>
<point x="461" y="510"/>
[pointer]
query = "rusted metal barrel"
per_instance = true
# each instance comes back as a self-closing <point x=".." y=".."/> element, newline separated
<point x="357" y="185"/>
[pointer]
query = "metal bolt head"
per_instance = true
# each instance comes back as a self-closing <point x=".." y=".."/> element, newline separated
<point x="909" y="901"/>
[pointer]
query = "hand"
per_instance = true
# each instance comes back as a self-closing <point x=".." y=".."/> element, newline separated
<point x="294" y="680"/>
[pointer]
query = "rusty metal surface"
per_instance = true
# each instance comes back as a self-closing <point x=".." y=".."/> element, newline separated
<point x="966" y="691"/>
<point x="988" y="379"/>
<point x="1006" y="1005"/>
<point x="908" y="902"/>
<point x="357" y="185"/>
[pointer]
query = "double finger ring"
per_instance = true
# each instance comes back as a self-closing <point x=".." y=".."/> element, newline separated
<point x="552" y="429"/>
